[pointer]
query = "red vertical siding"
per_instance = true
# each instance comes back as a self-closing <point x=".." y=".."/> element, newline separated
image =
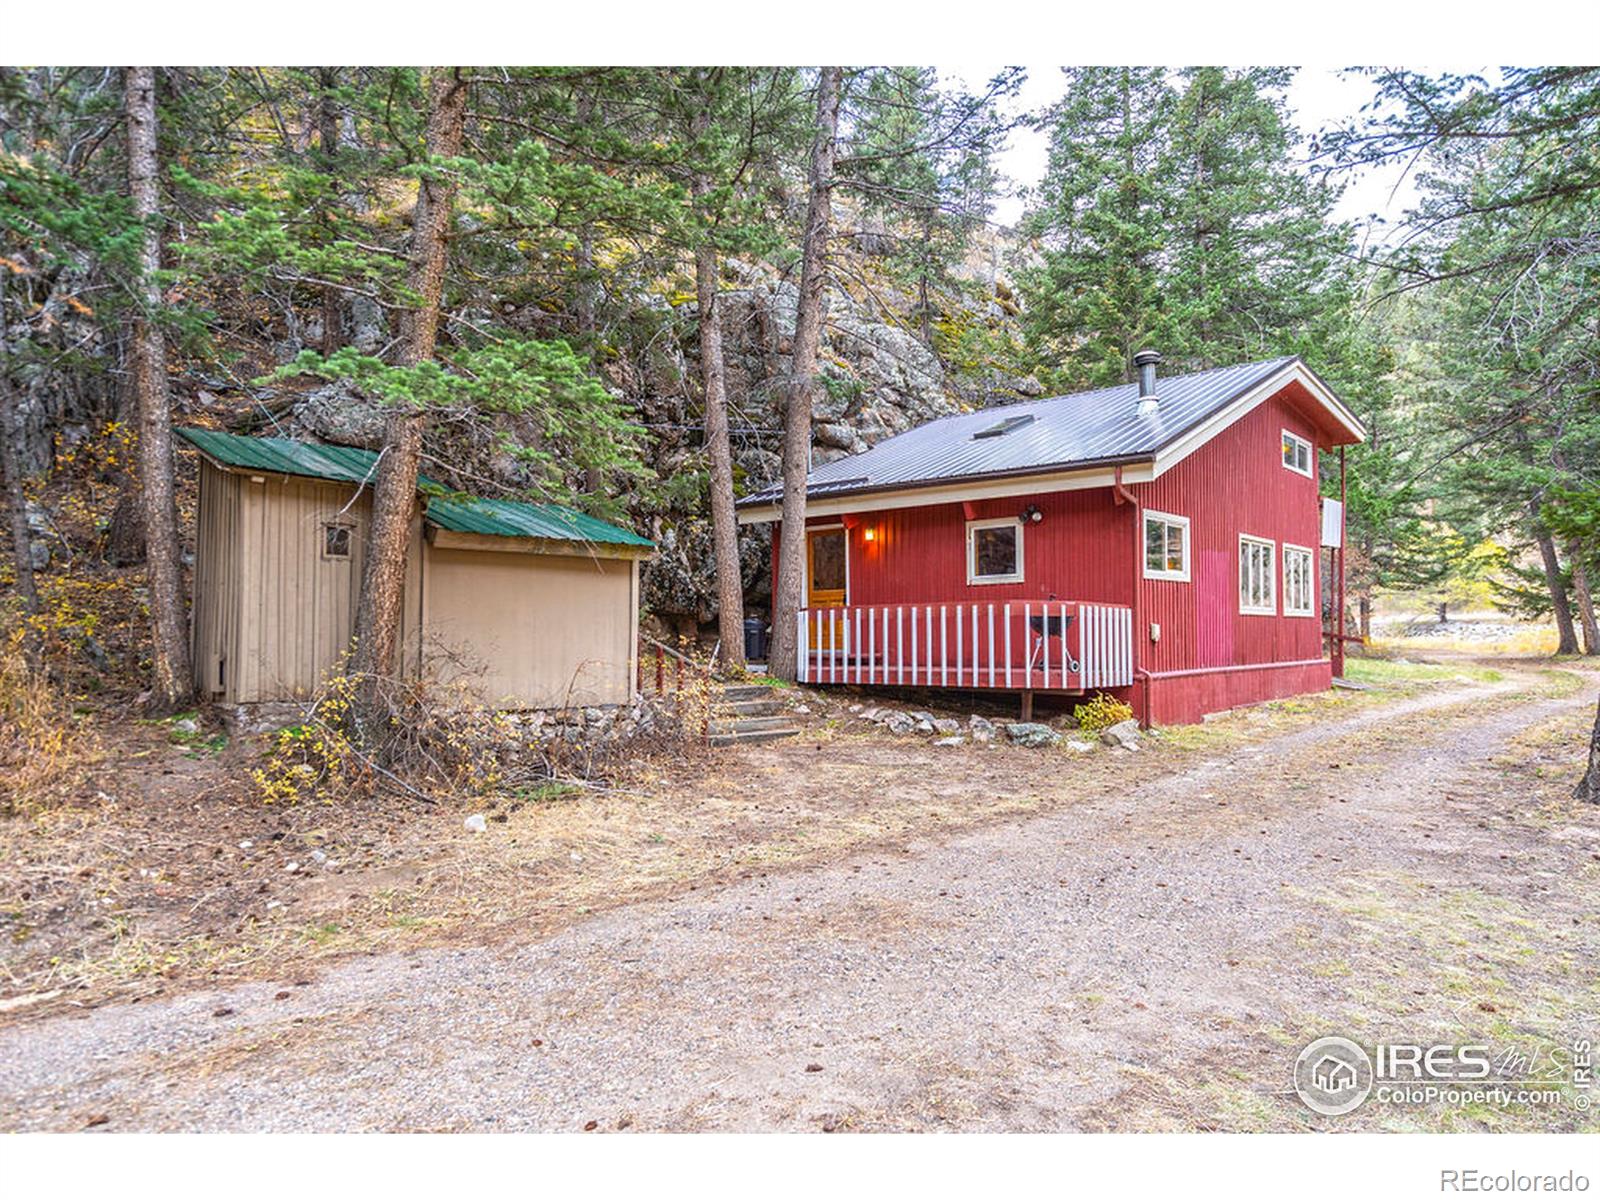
<point x="1088" y="547"/>
<point x="1081" y="549"/>
<point x="1184" y="700"/>
<point x="1236" y="483"/>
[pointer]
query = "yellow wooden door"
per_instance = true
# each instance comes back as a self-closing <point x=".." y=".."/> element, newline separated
<point x="825" y="581"/>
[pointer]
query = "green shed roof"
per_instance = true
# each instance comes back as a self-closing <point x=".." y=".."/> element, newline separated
<point x="281" y="456"/>
<point x="471" y="514"/>
<point x="513" y="518"/>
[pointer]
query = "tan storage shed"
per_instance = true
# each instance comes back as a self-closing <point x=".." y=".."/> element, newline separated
<point x="537" y="606"/>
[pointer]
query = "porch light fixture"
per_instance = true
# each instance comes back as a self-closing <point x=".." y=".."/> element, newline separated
<point x="1031" y="514"/>
<point x="869" y="534"/>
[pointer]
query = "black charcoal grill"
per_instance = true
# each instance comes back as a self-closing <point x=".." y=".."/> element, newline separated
<point x="1043" y="627"/>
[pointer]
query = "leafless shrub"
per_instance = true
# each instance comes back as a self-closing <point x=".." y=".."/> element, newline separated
<point x="436" y="737"/>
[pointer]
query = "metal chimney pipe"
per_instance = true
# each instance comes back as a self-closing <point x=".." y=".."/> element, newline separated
<point x="1146" y="361"/>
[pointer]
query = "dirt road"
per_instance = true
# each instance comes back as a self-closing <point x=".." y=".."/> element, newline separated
<point x="1149" y="962"/>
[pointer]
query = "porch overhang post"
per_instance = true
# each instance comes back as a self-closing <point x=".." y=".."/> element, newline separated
<point x="1140" y="633"/>
<point x="1338" y="624"/>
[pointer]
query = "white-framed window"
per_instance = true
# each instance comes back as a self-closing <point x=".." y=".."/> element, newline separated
<point x="1257" y="579"/>
<point x="1299" y="581"/>
<point x="994" y="550"/>
<point x="1297" y="454"/>
<point x="1166" y="546"/>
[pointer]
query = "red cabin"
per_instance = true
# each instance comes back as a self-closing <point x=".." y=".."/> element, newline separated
<point x="1159" y="541"/>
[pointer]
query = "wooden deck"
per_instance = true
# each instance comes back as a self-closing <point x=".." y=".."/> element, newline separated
<point x="1060" y="645"/>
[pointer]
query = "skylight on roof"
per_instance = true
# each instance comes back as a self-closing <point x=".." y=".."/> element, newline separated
<point x="1002" y="428"/>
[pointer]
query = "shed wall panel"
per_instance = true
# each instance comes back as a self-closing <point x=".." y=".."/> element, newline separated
<point x="217" y="583"/>
<point x="538" y="629"/>
<point x="530" y="630"/>
<point x="297" y="604"/>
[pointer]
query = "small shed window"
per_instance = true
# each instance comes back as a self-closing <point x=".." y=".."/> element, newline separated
<point x="1257" y="591"/>
<point x="1299" y="581"/>
<point x="994" y="551"/>
<point x="335" y="541"/>
<point x="1297" y="453"/>
<point x="1166" y="546"/>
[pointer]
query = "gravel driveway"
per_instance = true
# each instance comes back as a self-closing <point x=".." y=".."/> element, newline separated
<point x="1055" y="972"/>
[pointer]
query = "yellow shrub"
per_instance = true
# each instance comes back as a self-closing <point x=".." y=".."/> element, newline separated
<point x="1101" y="713"/>
<point x="314" y="760"/>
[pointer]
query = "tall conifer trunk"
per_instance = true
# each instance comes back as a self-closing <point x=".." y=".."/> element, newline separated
<point x="788" y="589"/>
<point x="1585" y="602"/>
<point x="719" y="452"/>
<point x="1566" y="635"/>
<point x="394" y="495"/>
<point x="16" y="503"/>
<point x="173" y="682"/>
<point x="328" y="154"/>
<point x="1588" y="788"/>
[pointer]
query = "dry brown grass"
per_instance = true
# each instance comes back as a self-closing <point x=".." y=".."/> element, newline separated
<point x="166" y="869"/>
<point x="44" y="749"/>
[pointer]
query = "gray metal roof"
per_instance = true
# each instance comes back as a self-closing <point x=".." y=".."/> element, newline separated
<point x="1081" y="430"/>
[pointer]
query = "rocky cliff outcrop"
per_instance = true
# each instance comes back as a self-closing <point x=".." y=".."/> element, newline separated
<point x="879" y="379"/>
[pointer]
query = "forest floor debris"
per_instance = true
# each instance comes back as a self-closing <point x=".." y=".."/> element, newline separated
<point x="165" y="870"/>
<point x="1125" y="942"/>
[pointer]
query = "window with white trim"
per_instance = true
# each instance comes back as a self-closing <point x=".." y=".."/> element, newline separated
<point x="1166" y="546"/>
<point x="1297" y="455"/>
<point x="994" y="551"/>
<point x="1257" y="582"/>
<point x="1299" y="581"/>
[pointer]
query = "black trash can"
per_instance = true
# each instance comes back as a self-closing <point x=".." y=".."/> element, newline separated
<point x="755" y="640"/>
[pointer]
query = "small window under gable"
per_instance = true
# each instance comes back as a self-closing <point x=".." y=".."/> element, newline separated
<point x="1297" y="453"/>
<point x="994" y="551"/>
<point x="1166" y="546"/>
<point x="1001" y="428"/>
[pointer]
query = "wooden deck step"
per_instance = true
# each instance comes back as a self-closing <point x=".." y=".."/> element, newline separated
<point x="735" y="692"/>
<point x="748" y="713"/>
<point x="748" y="724"/>
<point x="764" y="707"/>
<point x="751" y="736"/>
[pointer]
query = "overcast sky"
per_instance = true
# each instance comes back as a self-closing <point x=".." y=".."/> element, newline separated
<point x="1318" y="97"/>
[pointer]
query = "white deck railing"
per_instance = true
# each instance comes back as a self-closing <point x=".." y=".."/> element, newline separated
<point x="1063" y="645"/>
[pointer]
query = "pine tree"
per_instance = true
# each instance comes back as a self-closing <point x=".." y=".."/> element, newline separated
<point x="174" y="682"/>
<point x="377" y="619"/>
<point x="1503" y="240"/>
<point x="788" y="588"/>
<point x="737" y="118"/>
<point x="1173" y="214"/>
<point x="1094" y="298"/>
<point x="921" y="156"/>
<point x="1250" y="249"/>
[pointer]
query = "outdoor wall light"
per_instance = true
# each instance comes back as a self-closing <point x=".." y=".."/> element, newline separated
<point x="1031" y="513"/>
<point x="869" y="534"/>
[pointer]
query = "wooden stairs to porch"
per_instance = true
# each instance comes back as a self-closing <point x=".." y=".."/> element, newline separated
<point x="748" y="713"/>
